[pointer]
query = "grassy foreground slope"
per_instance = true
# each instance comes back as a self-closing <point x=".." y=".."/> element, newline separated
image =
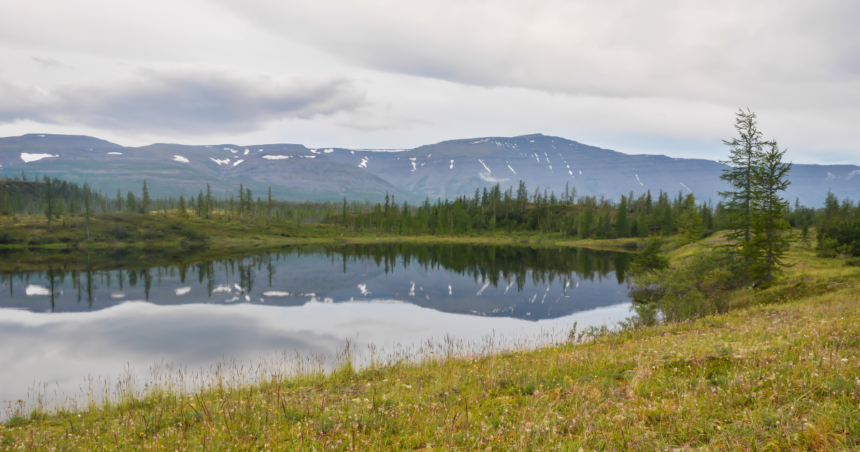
<point x="778" y="372"/>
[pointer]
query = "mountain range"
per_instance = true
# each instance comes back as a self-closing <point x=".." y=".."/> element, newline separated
<point x="443" y="170"/>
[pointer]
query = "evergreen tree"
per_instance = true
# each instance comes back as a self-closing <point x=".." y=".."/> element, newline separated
<point x="144" y="199"/>
<point x="621" y="225"/>
<point x="182" y="205"/>
<point x="118" y="200"/>
<point x="131" y="202"/>
<point x="210" y="201"/>
<point x="691" y="220"/>
<point x="201" y="205"/>
<point x="87" y="207"/>
<point x="745" y="153"/>
<point x="770" y="233"/>
<point x="49" y="200"/>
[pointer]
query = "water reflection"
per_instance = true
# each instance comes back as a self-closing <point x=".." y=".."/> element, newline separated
<point x="70" y="320"/>
<point x="499" y="281"/>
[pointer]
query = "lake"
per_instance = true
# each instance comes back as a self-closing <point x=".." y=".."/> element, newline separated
<point x="67" y="322"/>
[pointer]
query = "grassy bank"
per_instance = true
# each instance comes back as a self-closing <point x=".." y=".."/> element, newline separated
<point x="778" y="372"/>
<point x="27" y="243"/>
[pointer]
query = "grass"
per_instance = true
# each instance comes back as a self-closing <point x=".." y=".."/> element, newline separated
<point x="781" y="371"/>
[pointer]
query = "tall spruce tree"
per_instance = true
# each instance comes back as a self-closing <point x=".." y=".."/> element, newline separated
<point x="691" y="220"/>
<point x="770" y="232"/>
<point x="87" y="207"/>
<point x="209" y="202"/>
<point x="745" y="154"/>
<point x="144" y="199"/>
<point x="621" y="224"/>
<point x="49" y="200"/>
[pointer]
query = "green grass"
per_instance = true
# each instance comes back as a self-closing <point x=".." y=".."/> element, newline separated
<point x="781" y="371"/>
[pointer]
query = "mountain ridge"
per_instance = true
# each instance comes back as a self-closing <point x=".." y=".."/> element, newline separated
<point x="446" y="169"/>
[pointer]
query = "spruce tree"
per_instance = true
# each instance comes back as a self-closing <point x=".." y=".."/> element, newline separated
<point x="691" y="220"/>
<point x="49" y="200"/>
<point x="87" y="207"/>
<point x="209" y="202"/>
<point x="745" y="153"/>
<point x="621" y="225"/>
<point x="770" y="232"/>
<point x="144" y="201"/>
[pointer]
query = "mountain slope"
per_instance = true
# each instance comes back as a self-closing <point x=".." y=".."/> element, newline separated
<point x="445" y="170"/>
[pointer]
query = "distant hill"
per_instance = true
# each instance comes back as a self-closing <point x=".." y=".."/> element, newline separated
<point x="446" y="169"/>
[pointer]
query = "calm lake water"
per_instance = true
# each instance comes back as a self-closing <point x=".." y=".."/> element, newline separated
<point x="61" y="324"/>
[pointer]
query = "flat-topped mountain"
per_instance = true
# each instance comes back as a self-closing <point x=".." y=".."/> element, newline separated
<point x="442" y="170"/>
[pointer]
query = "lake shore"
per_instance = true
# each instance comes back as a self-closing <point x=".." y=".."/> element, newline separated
<point x="149" y="239"/>
<point x="777" y="371"/>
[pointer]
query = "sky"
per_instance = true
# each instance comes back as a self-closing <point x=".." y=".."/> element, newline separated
<point x="636" y="76"/>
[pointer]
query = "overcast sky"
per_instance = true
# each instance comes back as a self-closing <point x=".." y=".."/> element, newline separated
<point x="637" y="76"/>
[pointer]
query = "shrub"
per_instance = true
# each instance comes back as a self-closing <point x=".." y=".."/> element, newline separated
<point x="649" y="260"/>
<point x="119" y="232"/>
<point x="151" y="234"/>
<point x="193" y="234"/>
<point x="6" y="238"/>
<point x="853" y="262"/>
<point x="839" y="238"/>
<point x="696" y="288"/>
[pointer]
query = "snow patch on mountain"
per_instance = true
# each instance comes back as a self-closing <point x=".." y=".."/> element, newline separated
<point x="179" y="158"/>
<point x="35" y="157"/>
<point x="238" y="162"/>
<point x="114" y="153"/>
<point x="220" y="162"/>
<point x="276" y="157"/>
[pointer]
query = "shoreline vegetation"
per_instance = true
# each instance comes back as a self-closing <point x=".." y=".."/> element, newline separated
<point x="779" y="370"/>
<point x="151" y="237"/>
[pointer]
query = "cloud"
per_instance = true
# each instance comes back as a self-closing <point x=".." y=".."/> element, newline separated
<point x="776" y="52"/>
<point x="48" y="62"/>
<point x="367" y="122"/>
<point x="186" y="102"/>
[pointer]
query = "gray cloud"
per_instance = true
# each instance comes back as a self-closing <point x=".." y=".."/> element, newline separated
<point x="780" y="53"/>
<point x="186" y="102"/>
<point x="48" y="62"/>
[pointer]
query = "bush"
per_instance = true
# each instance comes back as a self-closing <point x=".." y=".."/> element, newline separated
<point x="696" y="288"/>
<point x="839" y="238"/>
<point x="649" y="260"/>
<point x="120" y="233"/>
<point x="41" y="240"/>
<point x="151" y="234"/>
<point x="193" y="234"/>
<point x="6" y="238"/>
<point x="853" y="262"/>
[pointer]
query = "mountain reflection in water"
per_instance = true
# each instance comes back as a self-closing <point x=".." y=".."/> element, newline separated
<point x="501" y="281"/>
